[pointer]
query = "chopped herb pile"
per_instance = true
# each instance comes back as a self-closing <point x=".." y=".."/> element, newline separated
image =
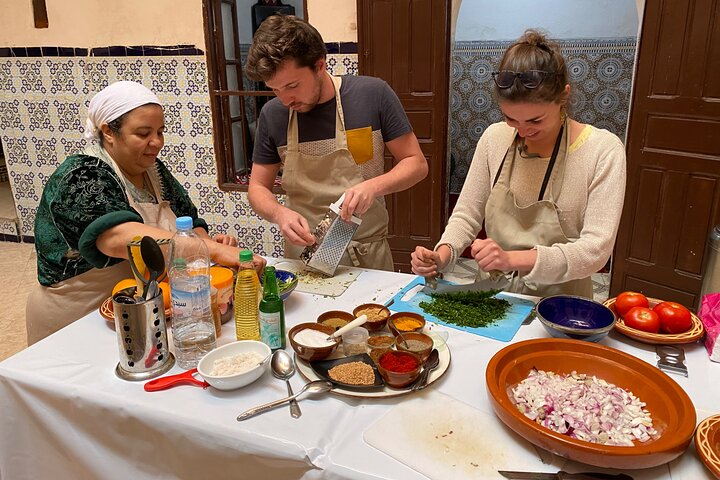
<point x="467" y="309"/>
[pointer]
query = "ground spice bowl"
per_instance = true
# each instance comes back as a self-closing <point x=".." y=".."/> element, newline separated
<point x="425" y="340"/>
<point x="399" y="379"/>
<point x="412" y="315"/>
<point x="335" y="314"/>
<point x="375" y="321"/>
<point x="311" y="354"/>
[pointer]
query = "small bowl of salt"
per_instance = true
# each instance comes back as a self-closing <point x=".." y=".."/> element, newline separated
<point x="234" y="365"/>
<point x="310" y="341"/>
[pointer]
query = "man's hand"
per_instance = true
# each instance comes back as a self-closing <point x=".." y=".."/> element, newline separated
<point x="294" y="227"/>
<point x="358" y="200"/>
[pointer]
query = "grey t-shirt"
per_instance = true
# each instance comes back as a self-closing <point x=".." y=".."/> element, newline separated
<point x="366" y="101"/>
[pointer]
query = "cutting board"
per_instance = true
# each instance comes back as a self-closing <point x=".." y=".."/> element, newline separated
<point x="503" y="329"/>
<point x="443" y="438"/>
<point x="313" y="282"/>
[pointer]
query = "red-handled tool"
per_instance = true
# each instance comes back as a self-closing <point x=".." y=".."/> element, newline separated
<point x="170" y="381"/>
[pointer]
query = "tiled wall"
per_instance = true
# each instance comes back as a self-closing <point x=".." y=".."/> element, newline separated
<point x="44" y="99"/>
<point x="600" y="73"/>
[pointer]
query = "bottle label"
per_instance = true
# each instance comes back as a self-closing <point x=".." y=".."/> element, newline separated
<point x="190" y="303"/>
<point x="270" y="333"/>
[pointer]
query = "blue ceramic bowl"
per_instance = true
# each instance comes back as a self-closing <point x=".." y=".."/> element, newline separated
<point x="287" y="282"/>
<point x="567" y="316"/>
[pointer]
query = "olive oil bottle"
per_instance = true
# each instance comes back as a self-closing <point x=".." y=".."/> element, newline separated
<point x="272" y="313"/>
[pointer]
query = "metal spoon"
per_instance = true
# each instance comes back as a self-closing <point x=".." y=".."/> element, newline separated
<point x="283" y="368"/>
<point x="318" y="386"/>
<point x="153" y="257"/>
<point x="431" y="363"/>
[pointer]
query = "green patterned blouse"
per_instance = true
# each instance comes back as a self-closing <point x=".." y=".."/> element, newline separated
<point x="82" y="199"/>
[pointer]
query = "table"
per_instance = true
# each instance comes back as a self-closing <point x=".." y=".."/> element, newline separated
<point x="66" y="415"/>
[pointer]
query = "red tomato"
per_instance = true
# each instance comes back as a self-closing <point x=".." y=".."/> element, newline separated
<point x="674" y="318"/>
<point x="627" y="300"/>
<point x="642" y="318"/>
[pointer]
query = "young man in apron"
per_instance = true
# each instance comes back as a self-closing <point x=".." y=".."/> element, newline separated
<point x="95" y="203"/>
<point x="330" y="134"/>
<point x="548" y="190"/>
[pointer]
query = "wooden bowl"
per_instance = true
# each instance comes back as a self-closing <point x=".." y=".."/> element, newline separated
<point x="312" y="354"/>
<point x="399" y="379"/>
<point x="377" y="315"/>
<point x="425" y="340"/>
<point x="695" y="333"/>
<point x="415" y="316"/>
<point x="347" y="317"/>
<point x="707" y="443"/>
<point x="672" y="411"/>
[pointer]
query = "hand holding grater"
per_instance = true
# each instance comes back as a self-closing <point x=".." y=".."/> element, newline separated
<point x="332" y="237"/>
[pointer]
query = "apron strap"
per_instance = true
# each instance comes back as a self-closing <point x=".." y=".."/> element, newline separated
<point x="359" y="247"/>
<point x="551" y="164"/>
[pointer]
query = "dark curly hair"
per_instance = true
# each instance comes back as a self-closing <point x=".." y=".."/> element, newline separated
<point x="282" y="37"/>
<point x="534" y="51"/>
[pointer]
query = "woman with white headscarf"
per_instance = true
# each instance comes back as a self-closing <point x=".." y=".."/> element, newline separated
<point x="98" y="201"/>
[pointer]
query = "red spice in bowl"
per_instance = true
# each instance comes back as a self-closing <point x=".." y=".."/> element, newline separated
<point x="399" y="369"/>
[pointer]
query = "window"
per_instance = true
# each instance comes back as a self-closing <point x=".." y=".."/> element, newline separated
<point x="235" y="101"/>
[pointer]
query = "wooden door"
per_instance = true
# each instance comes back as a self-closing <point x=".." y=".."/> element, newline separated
<point x="673" y="191"/>
<point x="407" y="44"/>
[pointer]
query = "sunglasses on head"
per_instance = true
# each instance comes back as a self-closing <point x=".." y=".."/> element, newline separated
<point x="528" y="79"/>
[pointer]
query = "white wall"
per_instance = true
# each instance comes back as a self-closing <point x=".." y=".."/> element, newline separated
<point x="493" y="20"/>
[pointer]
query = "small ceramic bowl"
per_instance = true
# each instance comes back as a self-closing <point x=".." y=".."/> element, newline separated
<point x="379" y="343"/>
<point x="334" y="318"/>
<point x="377" y="315"/>
<point x="312" y="354"/>
<point x="415" y="342"/>
<point x="578" y="318"/>
<point x="396" y="379"/>
<point x="231" y="382"/>
<point x="287" y="282"/>
<point x="401" y="317"/>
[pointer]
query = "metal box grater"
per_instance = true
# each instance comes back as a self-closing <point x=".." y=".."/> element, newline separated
<point x="332" y="235"/>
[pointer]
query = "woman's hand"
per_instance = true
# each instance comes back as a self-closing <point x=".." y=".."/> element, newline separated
<point x="259" y="264"/>
<point x="490" y="256"/>
<point x="427" y="263"/>
<point x="226" y="239"/>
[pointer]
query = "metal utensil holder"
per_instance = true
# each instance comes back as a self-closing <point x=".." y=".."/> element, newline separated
<point x="142" y="336"/>
<point x="332" y="235"/>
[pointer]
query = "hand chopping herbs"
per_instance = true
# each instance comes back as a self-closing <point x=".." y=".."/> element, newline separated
<point x="467" y="309"/>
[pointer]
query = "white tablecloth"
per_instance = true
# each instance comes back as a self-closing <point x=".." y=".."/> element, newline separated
<point x="66" y="415"/>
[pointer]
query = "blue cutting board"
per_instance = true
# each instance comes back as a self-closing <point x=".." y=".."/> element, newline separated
<point x="503" y="329"/>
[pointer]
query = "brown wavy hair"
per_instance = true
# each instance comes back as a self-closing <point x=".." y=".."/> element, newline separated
<point x="534" y="51"/>
<point x="282" y="37"/>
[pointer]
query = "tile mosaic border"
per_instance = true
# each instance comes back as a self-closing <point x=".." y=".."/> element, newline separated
<point x="111" y="51"/>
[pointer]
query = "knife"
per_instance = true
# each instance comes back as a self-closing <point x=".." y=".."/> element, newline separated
<point x="561" y="475"/>
<point x="443" y="286"/>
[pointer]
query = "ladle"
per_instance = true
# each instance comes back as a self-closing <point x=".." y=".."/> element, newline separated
<point x="283" y="368"/>
<point x="153" y="257"/>
<point x="318" y="386"/>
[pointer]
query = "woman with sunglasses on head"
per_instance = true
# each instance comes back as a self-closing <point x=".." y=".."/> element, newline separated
<point x="549" y="189"/>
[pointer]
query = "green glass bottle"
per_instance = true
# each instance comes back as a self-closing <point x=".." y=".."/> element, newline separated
<point x="272" y="313"/>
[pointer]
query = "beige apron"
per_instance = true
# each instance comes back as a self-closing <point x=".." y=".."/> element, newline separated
<point x="51" y="308"/>
<point x="313" y="182"/>
<point x="522" y="228"/>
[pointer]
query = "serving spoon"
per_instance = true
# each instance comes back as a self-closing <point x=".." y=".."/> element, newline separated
<point x="153" y="257"/>
<point x="283" y="368"/>
<point x="318" y="386"/>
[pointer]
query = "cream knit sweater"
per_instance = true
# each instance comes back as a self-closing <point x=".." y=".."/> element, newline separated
<point x="589" y="203"/>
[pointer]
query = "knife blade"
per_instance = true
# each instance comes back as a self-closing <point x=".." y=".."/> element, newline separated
<point x="562" y="475"/>
<point x="478" y="286"/>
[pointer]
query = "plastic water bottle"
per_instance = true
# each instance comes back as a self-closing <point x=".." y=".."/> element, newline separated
<point x="247" y="287"/>
<point x="193" y="327"/>
<point x="272" y="313"/>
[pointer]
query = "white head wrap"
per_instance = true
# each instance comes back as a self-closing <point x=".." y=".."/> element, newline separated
<point x="113" y="101"/>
